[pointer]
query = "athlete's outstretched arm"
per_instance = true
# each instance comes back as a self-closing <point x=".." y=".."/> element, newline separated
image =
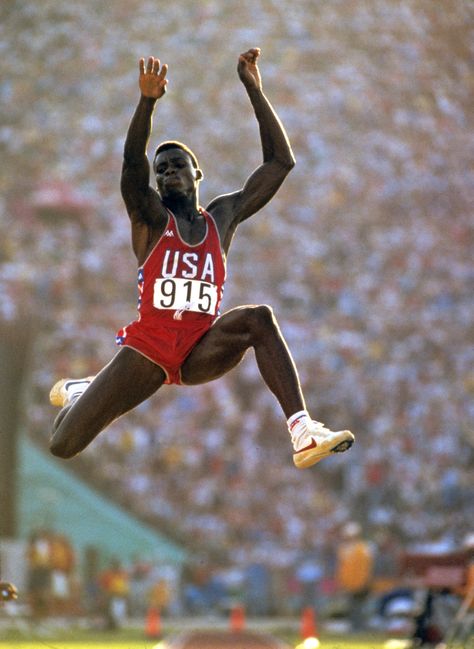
<point x="278" y="157"/>
<point x="142" y="202"/>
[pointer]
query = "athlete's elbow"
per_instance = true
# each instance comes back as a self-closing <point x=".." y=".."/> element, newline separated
<point x="287" y="164"/>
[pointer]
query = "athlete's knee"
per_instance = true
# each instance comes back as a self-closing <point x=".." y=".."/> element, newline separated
<point x="262" y="320"/>
<point x="264" y="314"/>
<point x="61" y="446"/>
<point x="62" y="443"/>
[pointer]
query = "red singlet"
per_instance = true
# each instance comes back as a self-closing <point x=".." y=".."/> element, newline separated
<point x="180" y="289"/>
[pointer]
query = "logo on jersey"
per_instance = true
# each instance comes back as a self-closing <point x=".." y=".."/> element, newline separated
<point x="169" y="233"/>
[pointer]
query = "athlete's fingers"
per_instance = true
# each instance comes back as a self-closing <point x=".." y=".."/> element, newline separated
<point x="243" y="61"/>
<point x="250" y="56"/>
<point x="141" y="65"/>
<point x="254" y="53"/>
<point x="163" y="71"/>
<point x="156" y="66"/>
<point x="149" y="65"/>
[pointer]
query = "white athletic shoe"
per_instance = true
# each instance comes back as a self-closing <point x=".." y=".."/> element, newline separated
<point x="65" y="390"/>
<point x="313" y="442"/>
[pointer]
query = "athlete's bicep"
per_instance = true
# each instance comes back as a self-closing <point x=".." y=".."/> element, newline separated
<point x="259" y="188"/>
<point x="134" y="186"/>
<point x="143" y="203"/>
<point x="145" y="209"/>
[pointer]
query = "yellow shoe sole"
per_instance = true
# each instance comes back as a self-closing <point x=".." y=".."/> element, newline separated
<point x="57" y="397"/>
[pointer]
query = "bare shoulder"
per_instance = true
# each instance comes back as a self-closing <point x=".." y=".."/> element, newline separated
<point x="224" y="210"/>
<point x="145" y="207"/>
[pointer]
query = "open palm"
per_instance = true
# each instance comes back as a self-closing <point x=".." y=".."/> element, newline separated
<point x="152" y="81"/>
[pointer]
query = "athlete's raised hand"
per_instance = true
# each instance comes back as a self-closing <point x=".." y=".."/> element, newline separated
<point x="248" y="69"/>
<point x="152" y="81"/>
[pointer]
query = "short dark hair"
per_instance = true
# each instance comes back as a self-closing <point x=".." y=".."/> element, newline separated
<point x="174" y="144"/>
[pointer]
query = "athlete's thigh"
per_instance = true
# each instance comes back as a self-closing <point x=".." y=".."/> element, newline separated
<point x="126" y="381"/>
<point x="221" y="348"/>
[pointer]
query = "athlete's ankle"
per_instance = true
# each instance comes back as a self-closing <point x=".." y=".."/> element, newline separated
<point x="298" y="421"/>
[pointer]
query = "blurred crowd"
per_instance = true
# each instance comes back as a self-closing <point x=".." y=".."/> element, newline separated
<point x="62" y="584"/>
<point x="365" y="255"/>
<point x="52" y="584"/>
<point x="355" y="584"/>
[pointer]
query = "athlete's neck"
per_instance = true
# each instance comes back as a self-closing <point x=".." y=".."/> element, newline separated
<point x="183" y="208"/>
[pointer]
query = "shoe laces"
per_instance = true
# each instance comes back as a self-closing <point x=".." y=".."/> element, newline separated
<point x="302" y="430"/>
<point x="318" y="428"/>
<point x="76" y="390"/>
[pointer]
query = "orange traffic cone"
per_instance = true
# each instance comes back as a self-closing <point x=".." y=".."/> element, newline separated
<point x="237" y="618"/>
<point x="153" y="623"/>
<point x="308" y="623"/>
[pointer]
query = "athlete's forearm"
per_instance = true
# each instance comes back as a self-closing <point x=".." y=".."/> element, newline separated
<point x="139" y="131"/>
<point x="274" y="140"/>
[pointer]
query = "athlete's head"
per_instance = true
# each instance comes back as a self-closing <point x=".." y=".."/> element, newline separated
<point x="174" y="144"/>
<point x="176" y="169"/>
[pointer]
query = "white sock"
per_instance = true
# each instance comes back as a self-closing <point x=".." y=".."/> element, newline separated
<point x="76" y="390"/>
<point x="299" y="420"/>
<point x="74" y="397"/>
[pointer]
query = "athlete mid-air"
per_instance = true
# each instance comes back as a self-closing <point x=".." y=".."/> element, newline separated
<point x="181" y="248"/>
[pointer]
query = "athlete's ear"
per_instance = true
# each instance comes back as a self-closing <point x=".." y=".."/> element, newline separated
<point x="199" y="174"/>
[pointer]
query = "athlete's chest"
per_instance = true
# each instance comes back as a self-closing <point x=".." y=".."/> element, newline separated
<point x="179" y="233"/>
<point x="191" y="233"/>
<point x="173" y="256"/>
<point x="186" y="263"/>
<point x="183" y="277"/>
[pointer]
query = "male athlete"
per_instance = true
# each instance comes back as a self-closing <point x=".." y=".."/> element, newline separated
<point x="179" y="336"/>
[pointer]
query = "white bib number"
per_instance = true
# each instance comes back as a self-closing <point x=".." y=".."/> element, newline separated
<point x="177" y="293"/>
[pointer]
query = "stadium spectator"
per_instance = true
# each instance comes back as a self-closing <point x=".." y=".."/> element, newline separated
<point x="62" y="572"/>
<point x="39" y="572"/>
<point x="114" y="582"/>
<point x="355" y="559"/>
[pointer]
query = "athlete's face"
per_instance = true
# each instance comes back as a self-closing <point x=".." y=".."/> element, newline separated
<point x="175" y="173"/>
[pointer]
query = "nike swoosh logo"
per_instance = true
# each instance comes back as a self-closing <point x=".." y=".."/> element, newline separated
<point x="309" y="447"/>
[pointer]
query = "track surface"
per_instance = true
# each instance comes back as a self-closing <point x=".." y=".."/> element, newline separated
<point x="224" y="640"/>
